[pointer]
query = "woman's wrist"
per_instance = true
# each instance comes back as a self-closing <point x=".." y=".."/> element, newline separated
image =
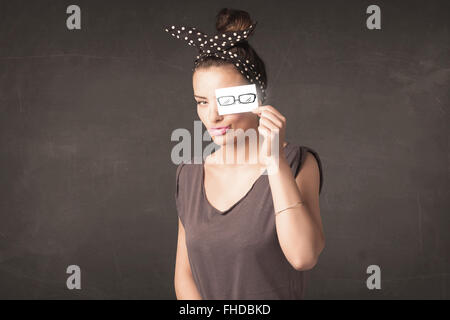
<point x="274" y="163"/>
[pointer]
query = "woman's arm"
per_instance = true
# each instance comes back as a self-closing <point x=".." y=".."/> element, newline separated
<point x="299" y="229"/>
<point x="185" y="287"/>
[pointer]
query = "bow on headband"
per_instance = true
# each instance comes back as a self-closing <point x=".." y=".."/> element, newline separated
<point x="218" y="45"/>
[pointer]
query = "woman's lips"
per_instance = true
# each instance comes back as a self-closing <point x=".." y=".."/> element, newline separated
<point x="218" y="131"/>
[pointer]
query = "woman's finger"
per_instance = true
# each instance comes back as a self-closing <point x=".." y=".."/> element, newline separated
<point x="271" y="116"/>
<point x="264" y="130"/>
<point x="274" y="110"/>
<point x="271" y="109"/>
<point x="269" y="124"/>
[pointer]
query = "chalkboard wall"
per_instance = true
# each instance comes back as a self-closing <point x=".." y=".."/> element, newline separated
<point x="87" y="114"/>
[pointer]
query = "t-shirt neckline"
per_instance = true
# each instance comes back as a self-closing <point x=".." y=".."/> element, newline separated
<point x="223" y="213"/>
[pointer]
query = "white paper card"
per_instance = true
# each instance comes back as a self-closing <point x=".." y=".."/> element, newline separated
<point x="247" y="93"/>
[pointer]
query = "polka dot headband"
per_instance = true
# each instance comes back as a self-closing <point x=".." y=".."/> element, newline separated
<point x="219" y="45"/>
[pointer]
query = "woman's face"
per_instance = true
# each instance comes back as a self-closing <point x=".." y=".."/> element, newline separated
<point x="205" y="81"/>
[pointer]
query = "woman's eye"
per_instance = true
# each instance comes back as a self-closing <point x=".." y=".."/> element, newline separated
<point x="200" y="102"/>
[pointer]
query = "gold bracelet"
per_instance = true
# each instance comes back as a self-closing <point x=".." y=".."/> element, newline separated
<point x="300" y="202"/>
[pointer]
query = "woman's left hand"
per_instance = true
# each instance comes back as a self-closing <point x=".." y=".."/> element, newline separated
<point x="272" y="126"/>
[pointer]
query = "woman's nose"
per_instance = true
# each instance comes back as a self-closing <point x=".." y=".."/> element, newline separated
<point x="213" y="113"/>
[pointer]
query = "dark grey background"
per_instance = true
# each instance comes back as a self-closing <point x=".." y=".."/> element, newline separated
<point x="86" y="118"/>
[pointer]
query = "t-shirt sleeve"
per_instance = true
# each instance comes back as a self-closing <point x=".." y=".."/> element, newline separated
<point x="300" y="158"/>
<point x="178" y="195"/>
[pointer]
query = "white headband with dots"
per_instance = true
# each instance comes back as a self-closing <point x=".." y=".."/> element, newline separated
<point x="218" y="45"/>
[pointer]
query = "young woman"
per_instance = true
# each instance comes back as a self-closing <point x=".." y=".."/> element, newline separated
<point x="243" y="234"/>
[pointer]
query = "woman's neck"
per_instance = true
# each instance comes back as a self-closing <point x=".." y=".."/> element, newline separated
<point x="241" y="152"/>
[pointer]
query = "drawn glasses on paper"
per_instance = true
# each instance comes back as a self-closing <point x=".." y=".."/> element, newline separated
<point x="236" y="99"/>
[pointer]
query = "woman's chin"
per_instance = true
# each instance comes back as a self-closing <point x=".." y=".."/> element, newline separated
<point x="222" y="139"/>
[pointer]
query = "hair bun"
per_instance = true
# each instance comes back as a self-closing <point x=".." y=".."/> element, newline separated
<point x="232" y="20"/>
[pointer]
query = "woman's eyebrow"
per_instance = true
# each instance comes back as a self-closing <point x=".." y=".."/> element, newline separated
<point x="200" y="97"/>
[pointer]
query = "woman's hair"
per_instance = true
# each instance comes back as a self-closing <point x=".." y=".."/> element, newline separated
<point x="236" y="20"/>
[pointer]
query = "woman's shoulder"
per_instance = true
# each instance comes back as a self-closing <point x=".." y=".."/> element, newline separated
<point x="183" y="169"/>
<point x="186" y="169"/>
<point x="300" y="150"/>
<point x="293" y="151"/>
<point x="297" y="154"/>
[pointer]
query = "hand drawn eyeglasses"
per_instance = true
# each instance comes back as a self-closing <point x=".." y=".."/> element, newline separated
<point x="242" y="98"/>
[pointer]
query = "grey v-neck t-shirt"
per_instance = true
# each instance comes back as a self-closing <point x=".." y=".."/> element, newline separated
<point x="235" y="254"/>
